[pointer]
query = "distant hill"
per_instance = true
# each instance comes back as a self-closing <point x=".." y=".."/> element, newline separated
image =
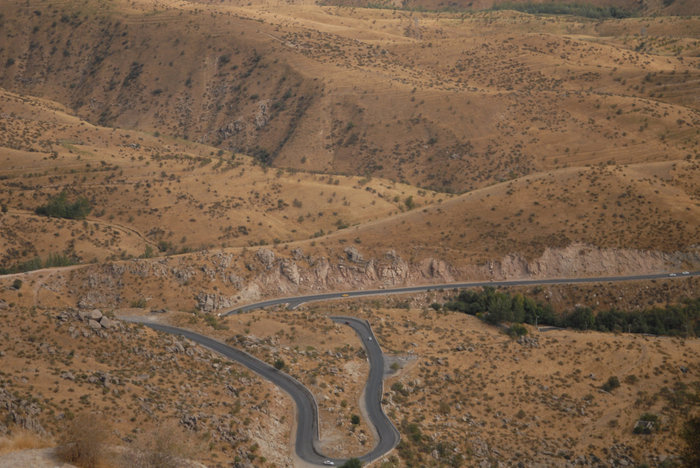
<point x="635" y="7"/>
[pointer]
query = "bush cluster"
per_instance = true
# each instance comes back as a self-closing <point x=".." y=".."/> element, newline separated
<point x="59" y="207"/>
<point x="497" y="307"/>
<point x="576" y="9"/>
<point x="53" y="260"/>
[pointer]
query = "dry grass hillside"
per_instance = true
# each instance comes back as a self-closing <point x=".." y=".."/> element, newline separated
<point x="175" y="159"/>
<point x="59" y="364"/>
<point x="160" y="193"/>
<point x="629" y="7"/>
<point x="445" y="101"/>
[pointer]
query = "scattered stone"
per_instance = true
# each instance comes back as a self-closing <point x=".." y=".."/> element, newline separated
<point x="94" y="324"/>
<point x="95" y="314"/>
<point x="107" y="323"/>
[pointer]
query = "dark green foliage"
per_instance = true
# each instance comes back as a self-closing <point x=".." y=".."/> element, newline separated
<point x="355" y="419"/>
<point x="516" y="330"/>
<point x="17" y="284"/>
<point x="279" y="364"/>
<point x="165" y="246"/>
<point x="497" y="307"/>
<point x="612" y="383"/>
<point x="214" y="322"/>
<point x="576" y="9"/>
<point x="60" y="207"/>
<point x="691" y="436"/>
<point x="501" y="307"/>
<point x="53" y="260"/>
<point x="352" y="463"/>
<point x="262" y="156"/>
<point x="148" y="252"/>
<point x="580" y="318"/>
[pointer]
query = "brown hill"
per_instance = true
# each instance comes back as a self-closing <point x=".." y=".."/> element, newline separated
<point x="451" y="102"/>
<point x="152" y="194"/>
<point x="633" y="7"/>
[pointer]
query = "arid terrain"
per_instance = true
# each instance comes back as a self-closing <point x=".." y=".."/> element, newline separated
<point x="176" y="159"/>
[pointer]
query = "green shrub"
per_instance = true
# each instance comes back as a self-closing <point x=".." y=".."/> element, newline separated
<point x="612" y="383"/>
<point x="516" y="330"/>
<point x="139" y="303"/>
<point x="352" y="463"/>
<point x="59" y="207"/>
<point x="585" y="10"/>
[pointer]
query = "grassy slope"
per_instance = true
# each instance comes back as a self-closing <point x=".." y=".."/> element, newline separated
<point x="445" y="101"/>
<point x="149" y="190"/>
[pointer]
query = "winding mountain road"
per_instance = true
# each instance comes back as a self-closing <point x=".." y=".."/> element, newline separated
<point x="307" y="432"/>
<point x="307" y="429"/>
<point x="294" y="302"/>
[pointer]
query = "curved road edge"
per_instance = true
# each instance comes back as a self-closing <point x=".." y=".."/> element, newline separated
<point x="307" y="428"/>
<point x="296" y="301"/>
<point x="388" y="434"/>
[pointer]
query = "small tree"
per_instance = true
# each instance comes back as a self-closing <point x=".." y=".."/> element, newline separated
<point x="355" y="419"/>
<point x="612" y="383"/>
<point x="279" y="364"/>
<point x="17" y="284"/>
<point x="59" y="207"/>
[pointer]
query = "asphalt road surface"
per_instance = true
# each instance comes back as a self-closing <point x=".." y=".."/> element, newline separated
<point x="294" y="302"/>
<point x="307" y="435"/>
<point x="374" y="388"/>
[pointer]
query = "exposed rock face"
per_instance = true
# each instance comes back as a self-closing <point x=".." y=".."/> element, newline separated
<point x="198" y="276"/>
<point x="210" y="302"/>
<point x="583" y="260"/>
<point x="266" y="257"/>
<point x="438" y="269"/>
<point x="290" y="271"/>
<point x="18" y="412"/>
<point x="261" y="116"/>
<point x="353" y="254"/>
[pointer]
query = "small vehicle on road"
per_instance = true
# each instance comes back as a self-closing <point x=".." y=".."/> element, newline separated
<point x="369" y="338"/>
<point x="346" y="295"/>
<point x="672" y="274"/>
<point x="328" y="462"/>
<point x="686" y="272"/>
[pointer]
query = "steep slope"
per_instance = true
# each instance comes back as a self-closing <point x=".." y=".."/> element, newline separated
<point x="450" y="102"/>
<point x="150" y="193"/>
